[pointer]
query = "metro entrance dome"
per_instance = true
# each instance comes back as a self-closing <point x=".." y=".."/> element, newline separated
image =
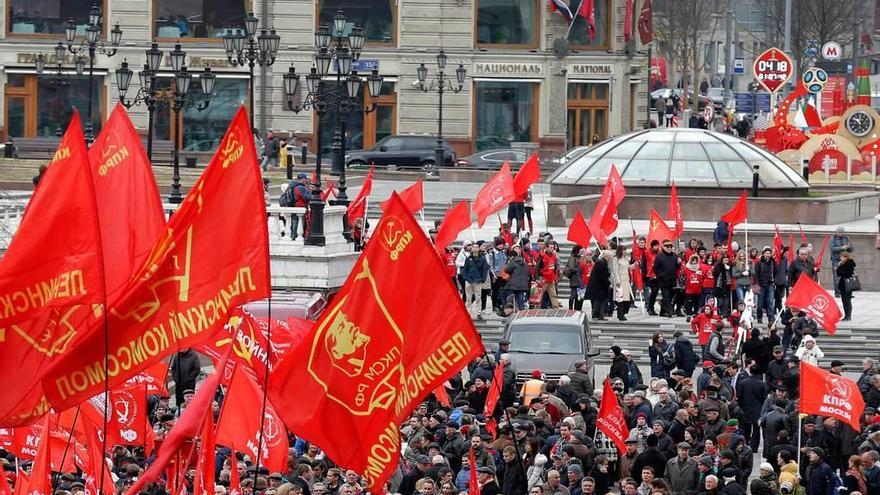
<point x="695" y="158"/>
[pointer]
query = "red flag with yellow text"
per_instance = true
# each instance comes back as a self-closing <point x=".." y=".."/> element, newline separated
<point x="611" y="420"/>
<point x="827" y="394"/>
<point x="212" y="257"/>
<point x="377" y="351"/>
<point x="494" y="195"/>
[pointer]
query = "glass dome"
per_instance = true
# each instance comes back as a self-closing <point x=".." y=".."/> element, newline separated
<point x="690" y="157"/>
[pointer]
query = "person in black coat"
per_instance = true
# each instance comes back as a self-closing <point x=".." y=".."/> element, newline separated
<point x="755" y="348"/>
<point x="845" y="270"/>
<point x="486" y="479"/>
<point x="185" y="369"/>
<point x="514" y="479"/>
<point x="599" y="287"/>
<point x="685" y="357"/>
<point x="750" y="393"/>
<point x="650" y="457"/>
<point x="666" y="270"/>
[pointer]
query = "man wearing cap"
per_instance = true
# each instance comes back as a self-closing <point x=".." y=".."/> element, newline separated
<point x="503" y="348"/>
<point x="792" y="377"/>
<point x="775" y="368"/>
<point x="839" y="243"/>
<point x="682" y="472"/>
<point x="650" y="457"/>
<point x="581" y="383"/>
<point x="641" y="406"/>
<point x="820" y="476"/>
<point x="486" y="479"/>
<point x="626" y="461"/>
<point x="300" y="196"/>
<point x="836" y="367"/>
<point x="864" y="381"/>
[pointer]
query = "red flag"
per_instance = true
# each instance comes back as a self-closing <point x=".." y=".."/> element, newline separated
<point x="637" y="253"/>
<point x="611" y="420"/>
<point x="738" y="213"/>
<point x="495" y="195"/>
<point x="587" y="11"/>
<point x="528" y="174"/>
<point x="494" y="391"/>
<point x="674" y="212"/>
<point x="127" y="424"/>
<point x="203" y="483"/>
<point x="382" y="346"/>
<point x="153" y="377"/>
<point x="646" y="23"/>
<point x="22" y="480"/>
<point x="777" y="245"/>
<point x="627" y="22"/>
<point x="329" y="190"/>
<point x="456" y="220"/>
<point x="837" y="396"/>
<point x="186" y="428"/>
<point x="240" y="420"/>
<point x="442" y="397"/>
<point x="791" y="248"/>
<point x="185" y="289"/>
<point x="5" y="489"/>
<point x="579" y="231"/>
<point x="357" y="208"/>
<point x="92" y="465"/>
<point x="808" y="296"/>
<point x="234" y="479"/>
<point x="821" y="256"/>
<point x="40" y="482"/>
<point x="803" y="236"/>
<point x="657" y="229"/>
<point x="413" y="197"/>
<point x="473" y="483"/>
<point x="603" y="222"/>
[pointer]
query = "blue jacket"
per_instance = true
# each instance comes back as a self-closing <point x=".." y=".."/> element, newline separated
<point x="476" y="269"/>
<point x="499" y="259"/>
<point x="820" y="479"/>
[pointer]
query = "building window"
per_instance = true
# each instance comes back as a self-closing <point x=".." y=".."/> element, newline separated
<point x="505" y="112"/>
<point x="509" y="23"/>
<point x="378" y="17"/>
<point x="587" y="112"/>
<point x="362" y="130"/>
<point x="181" y="19"/>
<point x="202" y="131"/>
<point x="35" y="108"/>
<point x="579" y="36"/>
<point x="47" y="17"/>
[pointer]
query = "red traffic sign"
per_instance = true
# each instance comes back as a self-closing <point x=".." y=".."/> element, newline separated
<point x="772" y="69"/>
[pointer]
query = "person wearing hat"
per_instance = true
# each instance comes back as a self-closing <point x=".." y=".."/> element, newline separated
<point x="419" y="470"/>
<point x="764" y="273"/>
<point x="820" y="477"/>
<point x="532" y="388"/>
<point x="298" y="195"/>
<point x="681" y="471"/>
<point x="809" y="351"/>
<point x="581" y="383"/>
<point x="751" y="392"/>
<point x="650" y="457"/>
<point x="775" y="367"/>
<point x="503" y="348"/>
<point x="626" y="461"/>
<point x="768" y="475"/>
<point x="792" y="377"/>
<point x="486" y="480"/>
<point x="732" y="485"/>
<point x="837" y="367"/>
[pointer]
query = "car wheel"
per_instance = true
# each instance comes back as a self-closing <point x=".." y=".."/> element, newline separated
<point x="429" y="168"/>
<point x="356" y="164"/>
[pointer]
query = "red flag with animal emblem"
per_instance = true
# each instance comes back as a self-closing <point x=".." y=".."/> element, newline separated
<point x="646" y="23"/>
<point x="234" y="477"/>
<point x="657" y="229"/>
<point x="473" y="482"/>
<point x="579" y="231"/>
<point x="674" y="212"/>
<point x="241" y="419"/>
<point x="40" y="482"/>
<point x="203" y="482"/>
<point x="496" y="194"/>
<point x="808" y="296"/>
<point x="153" y="377"/>
<point x="738" y="213"/>
<point x="50" y="276"/>
<point x="611" y="420"/>
<point x="528" y="174"/>
<point x="127" y="424"/>
<point x="777" y="245"/>
<point x="187" y="286"/>
<point x="187" y="427"/>
<point x="628" y="21"/>
<point x="456" y="220"/>
<point x="826" y="394"/>
<point x="377" y="351"/>
<point x="821" y="256"/>
<point x="603" y="222"/>
<point x="413" y="197"/>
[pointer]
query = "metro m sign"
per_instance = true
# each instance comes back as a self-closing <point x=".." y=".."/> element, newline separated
<point x="772" y="69"/>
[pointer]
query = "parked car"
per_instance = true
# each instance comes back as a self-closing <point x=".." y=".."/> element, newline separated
<point x="667" y="93"/>
<point x="551" y="340"/>
<point x="403" y="151"/>
<point x="493" y="159"/>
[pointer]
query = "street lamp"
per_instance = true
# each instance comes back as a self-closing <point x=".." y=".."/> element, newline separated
<point x="177" y="98"/>
<point x="57" y="77"/>
<point x="441" y="84"/>
<point x="340" y="98"/>
<point x="245" y="46"/>
<point x="90" y="45"/>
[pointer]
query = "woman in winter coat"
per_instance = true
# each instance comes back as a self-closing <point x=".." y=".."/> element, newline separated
<point x="659" y="347"/>
<point x="693" y="280"/>
<point x="599" y="286"/>
<point x="809" y="351"/>
<point x="620" y="281"/>
<point x="518" y="278"/>
<point x="535" y="473"/>
<point x="708" y="289"/>
<point x="723" y="278"/>
<point x="572" y="271"/>
<point x="740" y="273"/>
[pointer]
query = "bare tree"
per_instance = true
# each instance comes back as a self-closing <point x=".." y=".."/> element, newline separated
<point x="683" y="30"/>
<point x="813" y="23"/>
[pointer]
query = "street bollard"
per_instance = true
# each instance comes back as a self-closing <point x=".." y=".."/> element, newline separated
<point x="7" y="148"/>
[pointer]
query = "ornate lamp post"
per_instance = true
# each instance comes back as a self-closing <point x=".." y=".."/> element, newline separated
<point x="177" y="98"/>
<point x="341" y="98"/>
<point x="57" y="77"/>
<point x="246" y="47"/>
<point x="441" y="84"/>
<point x="91" y="45"/>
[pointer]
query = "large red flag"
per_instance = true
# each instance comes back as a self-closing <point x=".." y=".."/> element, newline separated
<point x="495" y="195"/>
<point x="674" y="212"/>
<point x="611" y="420"/>
<point x="40" y="482"/>
<point x="579" y="231"/>
<point x="738" y="213"/>
<point x="822" y="252"/>
<point x="185" y="289"/>
<point x="240" y="420"/>
<point x="628" y="21"/>
<point x="528" y="174"/>
<point x="22" y="480"/>
<point x="457" y="219"/>
<point x="473" y="482"/>
<point x="234" y="478"/>
<point x="127" y="424"/>
<point x="657" y="229"/>
<point x="91" y="466"/>
<point x="153" y="377"/>
<point x="186" y="428"/>
<point x="777" y="244"/>
<point x="808" y="296"/>
<point x="50" y="276"/>
<point x="827" y="394"/>
<point x="413" y="197"/>
<point x="203" y="483"/>
<point x="603" y="222"/>
<point x="377" y="351"/>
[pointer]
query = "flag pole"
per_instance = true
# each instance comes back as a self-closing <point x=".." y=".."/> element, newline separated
<point x="265" y="387"/>
<point x="70" y="437"/>
<point x="473" y="236"/>
<point x="574" y="16"/>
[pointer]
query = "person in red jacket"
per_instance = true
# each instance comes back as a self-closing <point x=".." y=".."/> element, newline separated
<point x="693" y="284"/>
<point x="548" y="270"/>
<point x="708" y="289"/>
<point x="704" y="324"/>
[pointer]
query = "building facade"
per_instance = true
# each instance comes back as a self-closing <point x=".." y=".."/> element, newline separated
<point x="526" y="81"/>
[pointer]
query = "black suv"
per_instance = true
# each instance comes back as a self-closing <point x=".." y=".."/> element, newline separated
<point x="403" y="152"/>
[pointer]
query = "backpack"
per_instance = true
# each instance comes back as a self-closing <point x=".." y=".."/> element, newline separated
<point x="286" y="198"/>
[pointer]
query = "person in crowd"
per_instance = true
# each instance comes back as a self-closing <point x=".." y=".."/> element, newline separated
<point x="666" y="265"/>
<point x="662" y="356"/>
<point x="621" y="269"/>
<point x="599" y="287"/>
<point x="573" y="271"/>
<point x="838" y="245"/>
<point x="809" y="352"/>
<point x="741" y="278"/>
<point x="844" y="273"/>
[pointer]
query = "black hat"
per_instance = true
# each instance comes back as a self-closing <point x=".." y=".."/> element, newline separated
<point x="486" y="470"/>
<point x="782" y="387"/>
<point x="818" y="451"/>
<point x="728" y="454"/>
<point x="794" y="360"/>
<point x="452" y="424"/>
<point x="810" y="420"/>
<point x="836" y="362"/>
<point x="616" y="350"/>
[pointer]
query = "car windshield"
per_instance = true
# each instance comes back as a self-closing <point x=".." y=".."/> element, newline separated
<point x="545" y="339"/>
